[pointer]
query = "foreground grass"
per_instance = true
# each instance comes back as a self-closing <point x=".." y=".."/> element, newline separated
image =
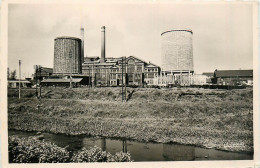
<point x="221" y="119"/>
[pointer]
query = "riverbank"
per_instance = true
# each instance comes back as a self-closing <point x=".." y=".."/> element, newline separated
<point x="218" y="119"/>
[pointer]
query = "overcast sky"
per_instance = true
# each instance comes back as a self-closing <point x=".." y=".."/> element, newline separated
<point x="222" y="33"/>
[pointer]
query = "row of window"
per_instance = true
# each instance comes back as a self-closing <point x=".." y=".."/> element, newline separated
<point x="151" y="70"/>
<point x="130" y="68"/>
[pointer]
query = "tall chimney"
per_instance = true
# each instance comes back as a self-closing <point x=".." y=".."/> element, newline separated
<point x="103" y="44"/>
<point x="82" y="44"/>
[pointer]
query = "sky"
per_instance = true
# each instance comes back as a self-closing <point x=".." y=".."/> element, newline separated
<point x="222" y="33"/>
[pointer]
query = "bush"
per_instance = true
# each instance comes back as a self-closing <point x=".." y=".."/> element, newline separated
<point x="95" y="154"/>
<point x="32" y="150"/>
<point x="120" y="157"/>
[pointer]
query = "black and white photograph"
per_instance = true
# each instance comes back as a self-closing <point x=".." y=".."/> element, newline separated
<point x="129" y="81"/>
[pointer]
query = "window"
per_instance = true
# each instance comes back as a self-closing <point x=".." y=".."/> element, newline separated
<point x="139" y="68"/>
<point x="151" y="75"/>
<point x="131" y="61"/>
<point x="130" y="68"/>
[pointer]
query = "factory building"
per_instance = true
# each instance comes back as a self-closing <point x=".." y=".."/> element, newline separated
<point x="42" y="73"/>
<point x="62" y="82"/>
<point x="135" y="71"/>
<point x="15" y="83"/>
<point x="70" y="65"/>
<point x="131" y="70"/>
<point x="69" y="62"/>
<point x="233" y="77"/>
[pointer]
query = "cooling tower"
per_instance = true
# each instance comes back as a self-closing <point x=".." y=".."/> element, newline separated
<point x="67" y="55"/>
<point x="177" y="53"/>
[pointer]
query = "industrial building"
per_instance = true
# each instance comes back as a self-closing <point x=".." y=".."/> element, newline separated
<point x="135" y="71"/>
<point x="72" y="68"/>
<point x="15" y="83"/>
<point x="69" y="62"/>
<point x="62" y="82"/>
<point x="233" y="77"/>
<point x="43" y="72"/>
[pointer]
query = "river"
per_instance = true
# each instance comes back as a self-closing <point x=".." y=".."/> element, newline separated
<point x="140" y="151"/>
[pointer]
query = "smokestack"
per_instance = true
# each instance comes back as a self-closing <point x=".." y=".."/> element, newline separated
<point x="82" y="44"/>
<point x="103" y="44"/>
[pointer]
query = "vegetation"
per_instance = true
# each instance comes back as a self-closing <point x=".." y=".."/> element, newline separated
<point x="33" y="150"/>
<point x="222" y="119"/>
<point x="95" y="154"/>
<point x="11" y="75"/>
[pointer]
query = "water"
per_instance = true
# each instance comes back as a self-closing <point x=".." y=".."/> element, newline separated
<point x="140" y="151"/>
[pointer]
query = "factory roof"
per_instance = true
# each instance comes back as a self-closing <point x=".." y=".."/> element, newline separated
<point x="111" y="59"/>
<point x="187" y="30"/>
<point x="48" y="70"/>
<point x="22" y="81"/>
<point x="95" y="57"/>
<point x="136" y="59"/>
<point x="53" y="80"/>
<point x="151" y="65"/>
<point x="233" y="73"/>
<point x="208" y="73"/>
<point x="67" y="37"/>
<point x="44" y="71"/>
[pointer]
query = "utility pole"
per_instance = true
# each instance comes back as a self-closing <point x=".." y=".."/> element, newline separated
<point x="36" y="91"/>
<point x="40" y="67"/>
<point x="70" y="58"/>
<point x="122" y="79"/>
<point x="125" y="78"/>
<point x="89" y="76"/>
<point x="92" y="78"/>
<point x="19" y="79"/>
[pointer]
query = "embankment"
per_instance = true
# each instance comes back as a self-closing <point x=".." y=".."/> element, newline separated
<point x="220" y="119"/>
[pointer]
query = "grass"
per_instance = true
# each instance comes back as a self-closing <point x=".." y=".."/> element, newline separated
<point x="202" y="117"/>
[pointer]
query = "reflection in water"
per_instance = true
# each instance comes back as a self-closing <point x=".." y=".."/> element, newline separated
<point x="176" y="152"/>
<point x="124" y="146"/>
<point x="139" y="151"/>
<point x="103" y="144"/>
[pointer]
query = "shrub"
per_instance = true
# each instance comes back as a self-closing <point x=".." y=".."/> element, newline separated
<point x="32" y="150"/>
<point x="119" y="157"/>
<point x="95" y="154"/>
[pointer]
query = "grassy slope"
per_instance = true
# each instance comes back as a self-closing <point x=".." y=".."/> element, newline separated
<point x="211" y="118"/>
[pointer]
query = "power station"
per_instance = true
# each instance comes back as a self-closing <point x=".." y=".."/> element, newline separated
<point x="177" y="63"/>
<point x="70" y="65"/>
<point x="71" y="68"/>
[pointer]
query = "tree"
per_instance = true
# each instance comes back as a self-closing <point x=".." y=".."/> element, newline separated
<point x="13" y="75"/>
<point x="8" y="74"/>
